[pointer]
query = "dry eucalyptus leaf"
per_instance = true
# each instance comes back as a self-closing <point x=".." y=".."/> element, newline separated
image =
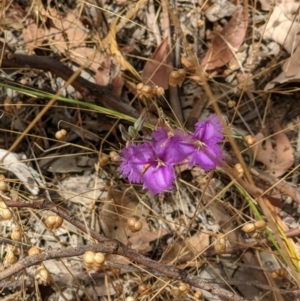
<point x="228" y="40"/>
<point x="281" y="29"/>
<point x="277" y="158"/>
<point x="141" y="239"/>
<point x="32" y="35"/>
<point x="183" y="251"/>
<point x="27" y="175"/>
<point x="156" y="71"/>
<point x="115" y="212"/>
<point x="83" y="189"/>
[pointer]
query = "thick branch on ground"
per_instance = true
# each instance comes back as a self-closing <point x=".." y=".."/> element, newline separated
<point x="90" y="92"/>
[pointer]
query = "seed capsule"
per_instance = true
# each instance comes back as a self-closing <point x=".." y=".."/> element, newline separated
<point x="53" y="222"/>
<point x="239" y="170"/>
<point x="250" y="139"/>
<point x="43" y="275"/>
<point x="134" y="225"/>
<point x="34" y="251"/>
<point x="249" y="228"/>
<point x="260" y="225"/>
<point x="61" y="134"/>
<point x="16" y="234"/>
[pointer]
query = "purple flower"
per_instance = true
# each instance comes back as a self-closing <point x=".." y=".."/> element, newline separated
<point x="151" y="163"/>
<point x="207" y="156"/>
<point x="209" y="130"/>
<point x="177" y="144"/>
<point x="207" y="153"/>
<point x="133" y="160"/>
<point x="142" y="164"/>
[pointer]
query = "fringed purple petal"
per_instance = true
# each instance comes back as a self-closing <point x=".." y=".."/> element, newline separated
<point x="209" y="130"/>
<point x="159" y="178"/>
<point x="207" y="157"/>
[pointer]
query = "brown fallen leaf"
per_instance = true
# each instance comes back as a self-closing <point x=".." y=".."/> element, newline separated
<point x="277" y="159"/>
<point x="32" y="35"/>
<point x="114" y="215"/>
<point x="156" y="71"/>
<point x="228" y="40"/>
<point x="281" y="29"/>
<point x="185" y="250"/>
<point x="292" y="65"/>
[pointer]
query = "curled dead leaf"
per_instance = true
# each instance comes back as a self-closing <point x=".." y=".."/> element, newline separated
<point x="228" y="41"/>
<point x="278" y="158"/>
<point x="156" y="71"/>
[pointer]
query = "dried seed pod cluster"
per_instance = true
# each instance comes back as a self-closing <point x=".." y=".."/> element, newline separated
<point x="103" y="160"/>
<point x="130" y="298"/>
<point x="231" y="104"/>
<point x="198" y="294"/>
<point x="177" y="77"/>
<point x="147" y="91"/>
<point x="279" y="273"/>
<point x="220" y="244"/>
<point x="250" y="140"/>
<point x="93" y="260"/>
<point x="34" y="251"/>
<point x="10" y="257"/>
<point x="5" y="213"/>
<point x="114" y="156"/>
<point x="134" y="224"/>
<point x="238" y="170"/>
<point x="16" y="234"/>
<point x="53" y="222"/>
<point x="8" y="106"/>
<point x="42" y="276"/>
<point x="254" y="229"/>
<point x="178" y="291"/>
<point x="144" y="288"/>
<point x="61" y="134"/>
<point x="3" y="186"/>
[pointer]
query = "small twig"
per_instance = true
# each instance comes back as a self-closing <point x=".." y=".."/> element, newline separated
<point x="112" y="247"/>
<point x="280" y="184"/>
<point x="90" y="92"/>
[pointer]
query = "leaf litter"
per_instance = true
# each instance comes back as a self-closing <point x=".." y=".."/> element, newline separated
<point x="196" y="227"/>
